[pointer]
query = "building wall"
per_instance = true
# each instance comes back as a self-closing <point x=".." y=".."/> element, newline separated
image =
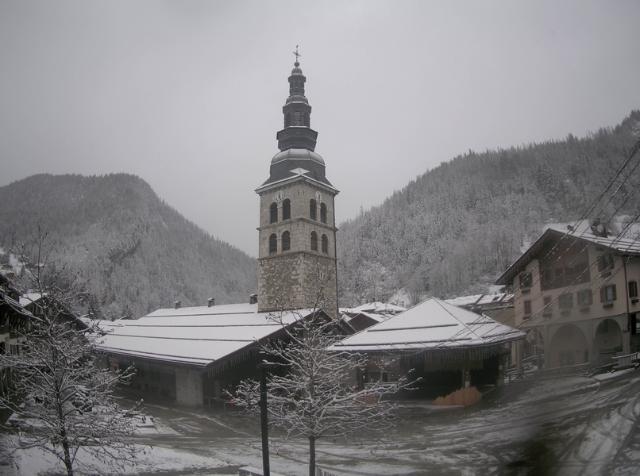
<point x="295" y="281"/>
<point x="299" y="277"/>
<point x="189" y="387"/>
<point x="575" y="334"/>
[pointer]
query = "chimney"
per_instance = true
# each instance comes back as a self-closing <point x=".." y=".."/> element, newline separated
<point x="253" y="299"/>
<point x="598" y="228"/>
<point x="211" y="302"/>
<point x="176" y="305"/>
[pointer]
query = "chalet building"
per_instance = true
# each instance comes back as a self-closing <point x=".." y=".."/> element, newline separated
<point x="40" y="304"/>
<point x="13" y="317"/>
<point x="447" y="346"/>
<point x="576" y="295"/>
<point x="191" y="355"/>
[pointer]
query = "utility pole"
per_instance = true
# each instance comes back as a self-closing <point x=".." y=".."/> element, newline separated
<point x="264" y="420"/>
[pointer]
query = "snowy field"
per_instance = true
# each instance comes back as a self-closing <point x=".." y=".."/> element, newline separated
<point x="570" y="426"/>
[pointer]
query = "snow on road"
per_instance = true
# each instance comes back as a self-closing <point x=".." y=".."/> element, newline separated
<point x="565" y="425"/>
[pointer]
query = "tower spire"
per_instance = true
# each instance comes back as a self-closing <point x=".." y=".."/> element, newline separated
<point x="297" y="54"/>
<point x="297" y="132"/>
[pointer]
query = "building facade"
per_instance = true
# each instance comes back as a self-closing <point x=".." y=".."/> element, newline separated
<point x="297" y="233"/>
<point x="576" y="294"/>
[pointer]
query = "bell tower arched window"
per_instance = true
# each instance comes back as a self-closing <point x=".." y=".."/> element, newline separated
<point x="323" y="213"/>
<point x="314" y="241"/>
<point x="286" y="209"/>
<point x="325" y="244"/>
<point x="273" y="213"/>
<point x="312" y="209"/>
<point x="273" y="244"/>
<point x="286" y="241"/>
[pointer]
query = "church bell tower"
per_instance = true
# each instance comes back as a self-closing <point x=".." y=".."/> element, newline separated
<point x="297" y="232"/>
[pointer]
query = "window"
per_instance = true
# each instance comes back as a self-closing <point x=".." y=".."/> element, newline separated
<point x="312" y="209"/>
<point x="605" y="262"/>
<point x="584" y="297"/>
<point x="547" y="310"/>
<point x="323" y="213"/>
<point x="527" y="309"/>
<point x="325" y="244"/>
<point x="314" y="241"/>
<point x="273" y="213"/>
<point x="286" y="209"/>
<point x="565" y="301"/>
<point x="608" y="294"/>
<point x="286" y="241"/>
<point x="633" y="289"/>
<point x="526" y="280"/>
<point x="273" y="244"/>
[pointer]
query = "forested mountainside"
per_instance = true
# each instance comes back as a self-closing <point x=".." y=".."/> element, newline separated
<point x="130" y="250"/>
<point x="454" y="229"/>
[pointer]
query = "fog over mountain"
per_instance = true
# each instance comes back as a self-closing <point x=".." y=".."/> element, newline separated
<point x="455" y="228"/>
<point x="132" y="252"/>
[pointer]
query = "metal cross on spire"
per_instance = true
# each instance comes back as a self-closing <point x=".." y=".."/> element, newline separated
<point x="297" y="54"/>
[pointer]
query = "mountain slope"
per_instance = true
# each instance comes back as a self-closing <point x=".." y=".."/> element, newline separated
<point x="132" y="251"/>
<point x="458" y="226"/>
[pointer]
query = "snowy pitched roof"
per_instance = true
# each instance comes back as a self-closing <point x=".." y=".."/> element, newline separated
<point x="581" y="232"/>
<point x="29" y="298"/>
<point x="431" y="325"/>
<point x="373" y="316"/>
<point x="193" y="335"/>
<point x="481" y="299"/>
<point x="379" y="308"/>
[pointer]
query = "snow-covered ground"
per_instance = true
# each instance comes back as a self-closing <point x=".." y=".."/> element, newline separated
<point x="565" y="425"/>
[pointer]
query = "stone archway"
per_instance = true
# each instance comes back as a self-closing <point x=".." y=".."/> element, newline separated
<point x="608" y="339"/>
<point x="568" y="347"/>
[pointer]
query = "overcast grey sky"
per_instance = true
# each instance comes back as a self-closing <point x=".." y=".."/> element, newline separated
<point x="188" y="94"/>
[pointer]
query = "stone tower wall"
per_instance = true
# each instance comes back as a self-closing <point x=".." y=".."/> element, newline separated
<point x="297" y="280"/>
<point x="299" y="277"/>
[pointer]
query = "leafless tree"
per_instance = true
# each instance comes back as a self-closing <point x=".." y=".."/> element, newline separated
<point x="312" y="392"/>
<point x="60" y="399"/>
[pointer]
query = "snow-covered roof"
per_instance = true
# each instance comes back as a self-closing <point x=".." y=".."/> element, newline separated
<point x="193" y="335"/>
<point x="379" y="308"/>
<point x="28" y="298"/>
<point x="373" y="316"/>
<point x="581" y="231"/>
<point x="480" y="299"/>
<point x="431" y="325"/>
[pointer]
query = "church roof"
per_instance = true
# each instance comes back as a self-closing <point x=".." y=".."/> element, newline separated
<point x="196" y="336"/>
<point x="431" y="325"/>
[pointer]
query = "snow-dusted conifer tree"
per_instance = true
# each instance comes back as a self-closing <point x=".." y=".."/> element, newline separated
<point x="311" y="392"/>
<point x="61" y="401"/>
